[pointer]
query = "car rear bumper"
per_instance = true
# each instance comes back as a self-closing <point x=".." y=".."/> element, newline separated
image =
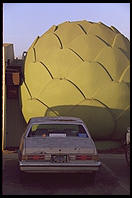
<point x="58" y="167"/>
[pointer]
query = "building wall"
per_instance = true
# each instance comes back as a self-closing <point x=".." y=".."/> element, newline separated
<point x="9" y="51"/>
<point x="13" y="123"/>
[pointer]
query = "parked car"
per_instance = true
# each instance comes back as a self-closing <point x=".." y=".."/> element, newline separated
<point x="57" y="144"/>
<point x="127" y="146"/>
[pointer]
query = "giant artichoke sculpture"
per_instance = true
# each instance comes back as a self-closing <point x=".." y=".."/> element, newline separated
<point x="80" y="69"/>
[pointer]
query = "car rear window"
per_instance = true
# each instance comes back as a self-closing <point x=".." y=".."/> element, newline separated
<point x="57" y="130"/>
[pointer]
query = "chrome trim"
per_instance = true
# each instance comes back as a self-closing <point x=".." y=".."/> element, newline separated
<point x="59" y="168"/>
<point x="27" y="164"/>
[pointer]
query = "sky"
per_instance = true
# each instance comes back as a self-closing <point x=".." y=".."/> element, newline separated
<point x="23" y="22"/>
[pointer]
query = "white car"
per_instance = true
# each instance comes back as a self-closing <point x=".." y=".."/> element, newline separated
<point x="57" y="144"/>
<point x="127" y="146"/>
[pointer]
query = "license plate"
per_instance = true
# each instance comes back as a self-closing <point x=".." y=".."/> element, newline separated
<point x="59" y="158"/>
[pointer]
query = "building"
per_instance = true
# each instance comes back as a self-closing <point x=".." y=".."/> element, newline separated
<point x="12" y="120"/>
<point x="8" y="52"/>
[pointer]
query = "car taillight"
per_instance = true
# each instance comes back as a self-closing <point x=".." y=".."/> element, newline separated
<point x="83" y="157"/>
<point x="36" y="157"/>
<point x="33" y="157"/>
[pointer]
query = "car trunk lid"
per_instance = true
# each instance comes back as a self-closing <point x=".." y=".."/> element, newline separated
<point x="59" y="145"/>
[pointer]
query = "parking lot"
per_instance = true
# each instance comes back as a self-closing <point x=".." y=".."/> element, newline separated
<point x="113" y="178"/>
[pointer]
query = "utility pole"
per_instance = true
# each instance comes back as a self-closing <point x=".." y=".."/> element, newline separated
<point x="3" y="101"/>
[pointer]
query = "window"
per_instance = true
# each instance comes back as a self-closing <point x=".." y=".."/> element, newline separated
<point x="57" y="130"/>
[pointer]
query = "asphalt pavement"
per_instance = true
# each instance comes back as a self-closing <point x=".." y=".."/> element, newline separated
<point x="113" y="178"/>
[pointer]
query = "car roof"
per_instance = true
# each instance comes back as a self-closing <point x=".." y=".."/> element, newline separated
<point x="55" y="119"/>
